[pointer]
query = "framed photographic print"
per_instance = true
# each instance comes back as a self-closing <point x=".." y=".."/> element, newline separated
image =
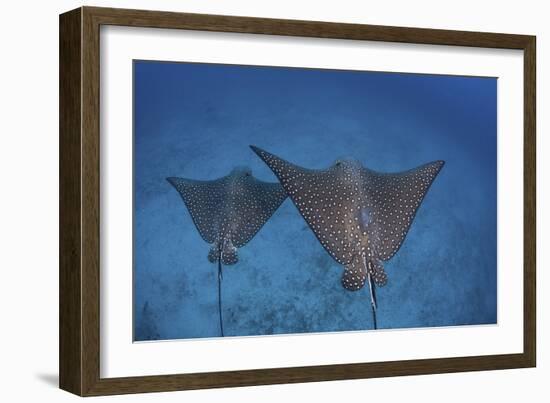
<point x="249" y="201"/>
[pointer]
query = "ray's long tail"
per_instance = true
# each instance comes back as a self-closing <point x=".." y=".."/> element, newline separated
<point x="373" y="301"/>
<point x="220" y="291"/>
<point x="372" y="291"/>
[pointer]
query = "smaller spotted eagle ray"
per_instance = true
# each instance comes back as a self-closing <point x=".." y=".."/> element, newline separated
<point x="360" y="216"/>
<point x="228" y="212"/>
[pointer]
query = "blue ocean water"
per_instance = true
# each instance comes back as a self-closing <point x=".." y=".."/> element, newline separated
<point x="197" y="121"/>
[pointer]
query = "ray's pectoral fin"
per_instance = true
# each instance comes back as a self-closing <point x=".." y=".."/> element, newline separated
<point x="355" y="274"/>
<point x="396" y="199"/>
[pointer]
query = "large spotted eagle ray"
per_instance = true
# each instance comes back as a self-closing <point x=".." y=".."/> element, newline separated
<point x="360" y="216"/>
<point x="228" y="212"/>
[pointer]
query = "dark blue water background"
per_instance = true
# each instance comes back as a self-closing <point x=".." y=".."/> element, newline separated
<point x="197" y="120"/>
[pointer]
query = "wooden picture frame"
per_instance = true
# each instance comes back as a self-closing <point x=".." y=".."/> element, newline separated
<point x="79" y="201"/>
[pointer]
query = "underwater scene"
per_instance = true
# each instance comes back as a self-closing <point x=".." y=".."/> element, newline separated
<point x="276" y="200"/>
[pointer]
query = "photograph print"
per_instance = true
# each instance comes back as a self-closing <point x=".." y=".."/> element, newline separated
<point x="278" y="200"/>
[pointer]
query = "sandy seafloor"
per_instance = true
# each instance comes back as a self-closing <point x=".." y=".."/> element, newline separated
<point x="196" y="121"/>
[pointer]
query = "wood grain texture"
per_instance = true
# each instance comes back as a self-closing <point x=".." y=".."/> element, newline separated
<point x="530" y="203"/>
<point x="268" y="26"/>
<point x="70" y="273"/>
<point x="90" y="202"/>
<point x="79" y="200"/>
